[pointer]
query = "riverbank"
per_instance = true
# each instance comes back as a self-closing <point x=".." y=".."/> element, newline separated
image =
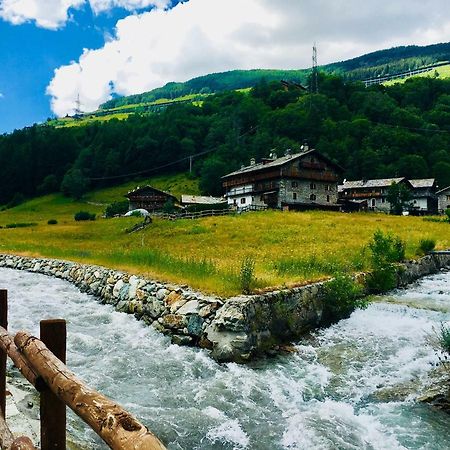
<point x="234" y="329"/>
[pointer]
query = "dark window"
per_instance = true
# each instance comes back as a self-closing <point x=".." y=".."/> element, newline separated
<point x="312" y="197"/>
<point x="261" y="199"/>
<point x="328" y="198"/>
<point x="242" y="201"/>
<point x="294" y="195"/>
<point x="294" y="184"/>
<point x="312" y="185"/>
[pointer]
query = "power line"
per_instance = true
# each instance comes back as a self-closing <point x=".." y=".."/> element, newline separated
<point x="172" y="163"/>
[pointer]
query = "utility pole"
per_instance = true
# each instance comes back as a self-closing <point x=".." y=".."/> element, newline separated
<point x="190" y="163"/>
<point x="78" y="111"/>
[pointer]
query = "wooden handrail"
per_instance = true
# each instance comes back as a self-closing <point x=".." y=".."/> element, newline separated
<point x="114" y="425"/>
<point x="7" y="345"/>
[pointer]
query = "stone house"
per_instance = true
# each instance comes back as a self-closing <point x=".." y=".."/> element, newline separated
<point x="443" y="199"/>
<point x="306" y="180"/>
<point x="373" y="191"/>
<point x="149" y="198"/>
<point x="424" y="198"/>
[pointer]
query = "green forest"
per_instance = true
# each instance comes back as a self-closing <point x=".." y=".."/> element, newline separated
<point x="381" y="131"/>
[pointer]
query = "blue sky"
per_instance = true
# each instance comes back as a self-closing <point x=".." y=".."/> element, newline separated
<point x="52" y="51"/>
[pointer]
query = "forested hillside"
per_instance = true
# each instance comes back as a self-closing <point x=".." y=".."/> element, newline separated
<point x="379" y="131"/>
<point x="371" y="65"/>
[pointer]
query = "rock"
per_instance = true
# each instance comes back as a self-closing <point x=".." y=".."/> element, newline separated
<point x="154" y="307"/>
<point x="123" y="293"/>
<point x="174" y="321"/>
<point x="195" y="325"/>
<point x="181" y="340"/>
<point x="161" y="294"/>
<point x="117" y="287"/>
<point x="190" y="307"/>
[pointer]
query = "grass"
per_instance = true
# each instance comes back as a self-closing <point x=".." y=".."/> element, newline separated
<point x="288" y="248"/>
<point x="443" y="71"/>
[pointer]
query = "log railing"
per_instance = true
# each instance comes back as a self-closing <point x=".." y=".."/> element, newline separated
<point x="42" y="363"/>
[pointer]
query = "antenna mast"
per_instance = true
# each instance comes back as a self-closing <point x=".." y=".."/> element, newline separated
<point x="314" y="83"/>
<point x="78" y="111"/>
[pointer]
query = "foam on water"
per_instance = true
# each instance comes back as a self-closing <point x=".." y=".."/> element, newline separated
<point x="326" y="396"/>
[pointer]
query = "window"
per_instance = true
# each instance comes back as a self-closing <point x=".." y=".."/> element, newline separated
<point x="312" y="185"/>
<point x="253" y="199"/>
<point x="328" y="198"/>
<point x="294" y="184"/>
<point x="243" y="201"/>
<point x="261" y="199"/>
<point x="448" y="197"/>
<point x="383" y="200"/>
<point x="312" y="197"/>
<point x="294" y="196"/>
<point x="327" y="188"/>
<point x="373" y="202"/>
<point x="234" y="201"/>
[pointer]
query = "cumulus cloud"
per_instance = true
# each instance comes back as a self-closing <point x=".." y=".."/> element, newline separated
<point x="53" y="14"/>
<point x="204" y="36"/>
<point x="1" y="95"/>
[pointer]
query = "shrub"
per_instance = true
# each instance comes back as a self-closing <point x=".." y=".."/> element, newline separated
<point x="425" y="246"/>
<point x="342" y="295"/>
<point x="20" y="225"/>
<point x="447" y="213"/>
<point x="52" y="222"/>
<point x="116" y="208"/>
<point x="246" y="274"/>
<point x="386" y="250"/>
<point x="444" y="338"/>
<point x="84" y="215"/>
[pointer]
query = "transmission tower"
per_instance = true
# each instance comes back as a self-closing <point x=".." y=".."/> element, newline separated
<point x="78" y="111"/>
<point x="314" y="83"/>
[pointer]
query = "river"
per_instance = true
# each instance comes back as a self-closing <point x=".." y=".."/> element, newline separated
<point x="351" y="386"/>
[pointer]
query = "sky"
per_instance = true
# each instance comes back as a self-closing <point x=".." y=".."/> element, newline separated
<point x="53" y="52"/>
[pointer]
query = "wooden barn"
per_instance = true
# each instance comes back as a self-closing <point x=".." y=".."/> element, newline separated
<point x="306" y="180"/>
<point x="444" y="199"/>
<point x="149" y="198"/>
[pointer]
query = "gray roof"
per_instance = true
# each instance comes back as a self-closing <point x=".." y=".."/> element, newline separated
<point x="201" y="200"/>
<point x="277" y="163"/>
<point x="362" y="184"/>
<point x="140" y="188"/>
<point x="422" y="183"/>
<point x="443" y="190"/>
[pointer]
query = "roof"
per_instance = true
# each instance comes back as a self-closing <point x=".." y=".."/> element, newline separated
<point x="201" y="200"/>
<point x="141" y="188"/>
<point x="443" y="190"/>
<point x="422" y="182"/>
<point x="279" y="162"/>
<point x="362" y="184"/>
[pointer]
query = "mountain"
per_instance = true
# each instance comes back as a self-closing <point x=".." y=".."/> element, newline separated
<point x="371" y="65"/>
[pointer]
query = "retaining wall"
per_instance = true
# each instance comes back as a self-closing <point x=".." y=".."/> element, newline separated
<point x="234" y="329"/>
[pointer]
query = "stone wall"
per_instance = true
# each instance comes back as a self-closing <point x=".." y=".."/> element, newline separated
<point x="235" y="329"/>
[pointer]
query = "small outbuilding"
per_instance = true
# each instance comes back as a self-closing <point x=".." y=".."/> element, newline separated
<point x="149" y="198"/>
<point x="191" y="200"/>
<point x="443" y="199"/>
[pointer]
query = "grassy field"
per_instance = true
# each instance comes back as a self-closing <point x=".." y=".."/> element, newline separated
<point x="288" y="248"/>
<point x="443" y="71"/>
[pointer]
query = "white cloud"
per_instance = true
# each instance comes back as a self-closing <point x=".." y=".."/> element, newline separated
<point x="53" y="14"/>
<point x="204" y="36"/>
<point x="2" y="95"/>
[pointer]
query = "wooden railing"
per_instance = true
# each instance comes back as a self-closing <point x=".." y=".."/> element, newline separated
<point x="211" y="213"/>
<point x="42" y="363"/>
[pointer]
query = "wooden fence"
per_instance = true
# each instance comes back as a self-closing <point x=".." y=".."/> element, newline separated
<point x="211" y="213"/>
<point x="42" y="363"/>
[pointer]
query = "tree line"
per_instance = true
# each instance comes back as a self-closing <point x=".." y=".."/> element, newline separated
<point x="399" y="130"/>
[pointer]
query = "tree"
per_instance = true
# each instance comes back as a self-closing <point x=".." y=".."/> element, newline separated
<point x="399" y="197"/>
<point x="74" y="184"/>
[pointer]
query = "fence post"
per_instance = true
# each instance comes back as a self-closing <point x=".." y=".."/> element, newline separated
<point x="3" y="355"/>
<point x="53" y="410"/>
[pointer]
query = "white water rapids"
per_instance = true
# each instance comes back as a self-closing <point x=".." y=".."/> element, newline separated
<point x="350" y="386"/>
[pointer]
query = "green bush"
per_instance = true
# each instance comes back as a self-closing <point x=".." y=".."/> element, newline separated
<point x="83" y="215"/>
<point x="447" y="213"/>
<point x="342" y="295"/>
<point x="52" y="222"/>
<point x="444" y="338"/>
<point x="116" y="209"/>
<point x="425" y="246"/>
<point x="246" y="275"/>
<point x="385" y="251"/>
<point x="20" y="225"/>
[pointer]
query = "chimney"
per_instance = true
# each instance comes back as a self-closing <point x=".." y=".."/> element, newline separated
<point x="287" y="152"/>
<point x="274" y="155"/>
<point x="252" y="162"/>
<point x="242" y="166"/>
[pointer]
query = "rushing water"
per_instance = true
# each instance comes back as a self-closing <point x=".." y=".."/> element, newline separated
<point x="351" y="386"/>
